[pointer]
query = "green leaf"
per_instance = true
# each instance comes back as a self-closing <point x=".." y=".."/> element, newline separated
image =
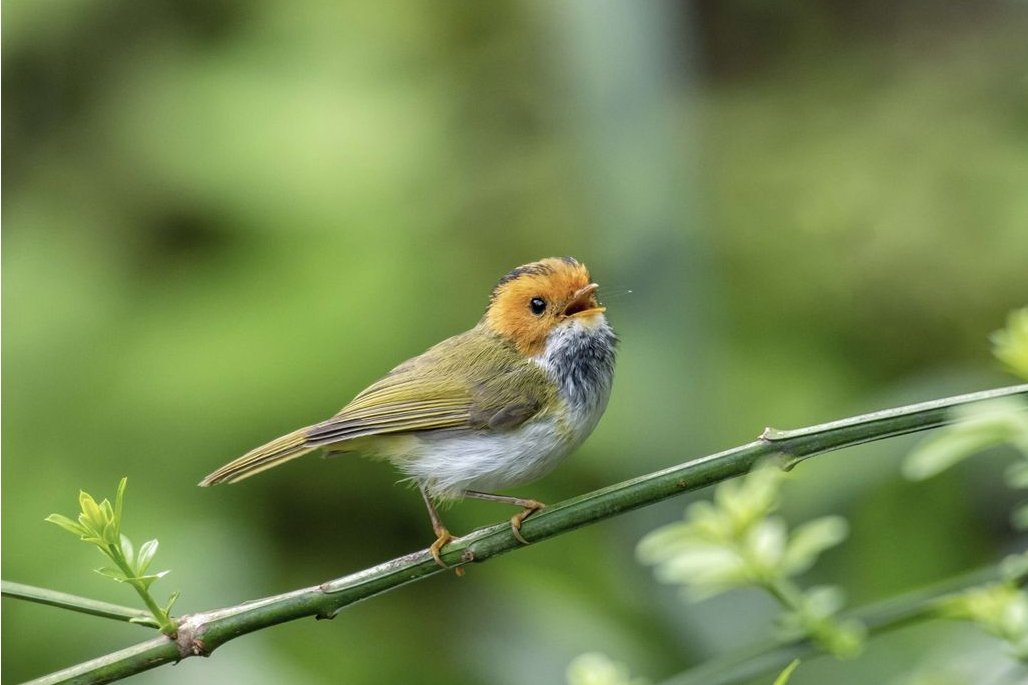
<point x="110" y="532"/>
<point x="761" y="488"/>
<point x="1014" y="568"/>
<point x="1000" y="610"/>
<point x="107" y="510"/>
<point x="67" y="524"/>
<point x="87" y="526"/>
<point x="987" y="425"/>
<point x="938" y="453"/>
<point x="705" y="571"/>
<point x="823" y="601"/>
<point x="709" y="523"/>
<point x="127" y="550"/>
<point x="112" y="572"/>
<point x="146" y="621"/>
<point x="119" y="499"/>
<point x="595" y="668"/>
<point x="765" y="544"/>
<point x="784" y="676"/>
<point x="737" y="505"/>
<point x="845" y="640"/>
<point x="91" y="517"/>
<point x="146" y="552"/>
<point x="148" y="580"/>
<point x="1010" y="345"/>
<point x="171" y="602"/>
<point x="810" y="539"/>
<point x="664" y="543"/>
<point x="746" y="501"/>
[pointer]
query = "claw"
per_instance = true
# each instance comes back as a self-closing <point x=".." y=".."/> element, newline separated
<point x="531" y="506"/>
<point x="436" y="547"/>
<point x="440" y="542"/>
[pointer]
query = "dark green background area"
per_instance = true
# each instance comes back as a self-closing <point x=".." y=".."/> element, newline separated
<point x="223" y="219"/>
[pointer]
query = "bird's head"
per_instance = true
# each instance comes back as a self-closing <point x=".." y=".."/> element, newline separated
<point x="535" y="299"/>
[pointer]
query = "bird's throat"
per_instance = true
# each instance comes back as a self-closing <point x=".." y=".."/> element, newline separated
<point x="580" y="356"/>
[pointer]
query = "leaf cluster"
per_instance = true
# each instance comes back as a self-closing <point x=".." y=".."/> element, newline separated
<point x="737" y="540"/>
<point x="99" y="523"/>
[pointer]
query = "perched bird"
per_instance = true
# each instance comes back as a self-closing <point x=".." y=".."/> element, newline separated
<point x="494" y="407"/>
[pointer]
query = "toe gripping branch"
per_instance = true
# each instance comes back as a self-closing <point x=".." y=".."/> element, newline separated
<point x="443" y="536"/>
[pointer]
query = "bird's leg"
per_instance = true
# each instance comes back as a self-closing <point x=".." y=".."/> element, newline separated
<point x="442" y="535"/>
<point x="530" y="507"/>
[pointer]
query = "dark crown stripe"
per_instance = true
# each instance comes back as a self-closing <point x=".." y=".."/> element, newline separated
<point x="533" y="269"/>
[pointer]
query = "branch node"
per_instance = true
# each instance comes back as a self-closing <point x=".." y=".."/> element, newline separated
<point x="188" y="637"/>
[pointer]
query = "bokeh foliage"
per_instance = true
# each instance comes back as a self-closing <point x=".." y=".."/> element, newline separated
<point x="222" y="219"/>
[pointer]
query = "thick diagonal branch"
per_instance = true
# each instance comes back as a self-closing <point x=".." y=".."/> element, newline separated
<point x="199" y="634"/>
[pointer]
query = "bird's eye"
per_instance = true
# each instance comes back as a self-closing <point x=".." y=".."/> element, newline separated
<point x="537" y="305"/>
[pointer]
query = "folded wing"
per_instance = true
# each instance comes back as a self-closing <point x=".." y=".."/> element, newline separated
<point x="439" y="390"/>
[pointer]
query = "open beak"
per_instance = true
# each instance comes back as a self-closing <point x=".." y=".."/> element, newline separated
<point x="584" y="303"/>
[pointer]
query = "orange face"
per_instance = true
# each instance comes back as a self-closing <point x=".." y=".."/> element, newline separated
<point x="533" y="299"/>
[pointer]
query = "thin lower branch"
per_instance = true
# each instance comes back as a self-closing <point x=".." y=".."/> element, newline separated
<point x="890" y="614"/>
<point x="199" y="634"/>
<point x="75" y="603"/>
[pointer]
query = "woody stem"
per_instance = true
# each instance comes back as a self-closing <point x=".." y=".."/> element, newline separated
<point x="201" y="633"/>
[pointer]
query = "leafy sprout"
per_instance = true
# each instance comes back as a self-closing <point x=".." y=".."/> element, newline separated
<point x="1001" y="610"/>
<point x="737" y="541"/>
<point x="99" y="523"/>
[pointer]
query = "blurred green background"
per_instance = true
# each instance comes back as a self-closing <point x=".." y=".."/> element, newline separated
<point x="223" y="219"/>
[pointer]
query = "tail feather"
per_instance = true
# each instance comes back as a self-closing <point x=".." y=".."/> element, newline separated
<point x="276" y="452"/>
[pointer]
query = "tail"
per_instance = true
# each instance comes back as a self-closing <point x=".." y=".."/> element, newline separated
<point x="276" y="452"/>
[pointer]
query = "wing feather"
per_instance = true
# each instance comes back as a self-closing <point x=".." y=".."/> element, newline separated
<point x="442" y="390"/>
<point x="472" y="381"/>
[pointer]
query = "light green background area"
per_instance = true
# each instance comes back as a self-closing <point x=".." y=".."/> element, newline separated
<point x="222" y="220"/>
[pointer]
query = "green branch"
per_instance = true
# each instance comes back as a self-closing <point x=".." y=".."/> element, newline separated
<point x="75" y="603"/>
<point x="201" y="633"/>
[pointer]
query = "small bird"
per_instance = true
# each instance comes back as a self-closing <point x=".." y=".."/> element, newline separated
<point x="491" y="408"/>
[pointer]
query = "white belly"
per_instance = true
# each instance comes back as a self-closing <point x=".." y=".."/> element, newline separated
<point x="449" y="464"/>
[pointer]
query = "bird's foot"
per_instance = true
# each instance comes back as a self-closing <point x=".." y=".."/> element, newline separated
<point x="530" y="507"/>
<point x="443" y="538"/>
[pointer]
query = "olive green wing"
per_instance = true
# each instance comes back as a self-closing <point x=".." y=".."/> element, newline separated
<point x="396" y="405"/>
<point x="464" y="383"/>
<point x="469" y="382"/>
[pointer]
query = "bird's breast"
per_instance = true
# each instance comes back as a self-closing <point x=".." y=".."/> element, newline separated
<point x="579" y="357"/>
